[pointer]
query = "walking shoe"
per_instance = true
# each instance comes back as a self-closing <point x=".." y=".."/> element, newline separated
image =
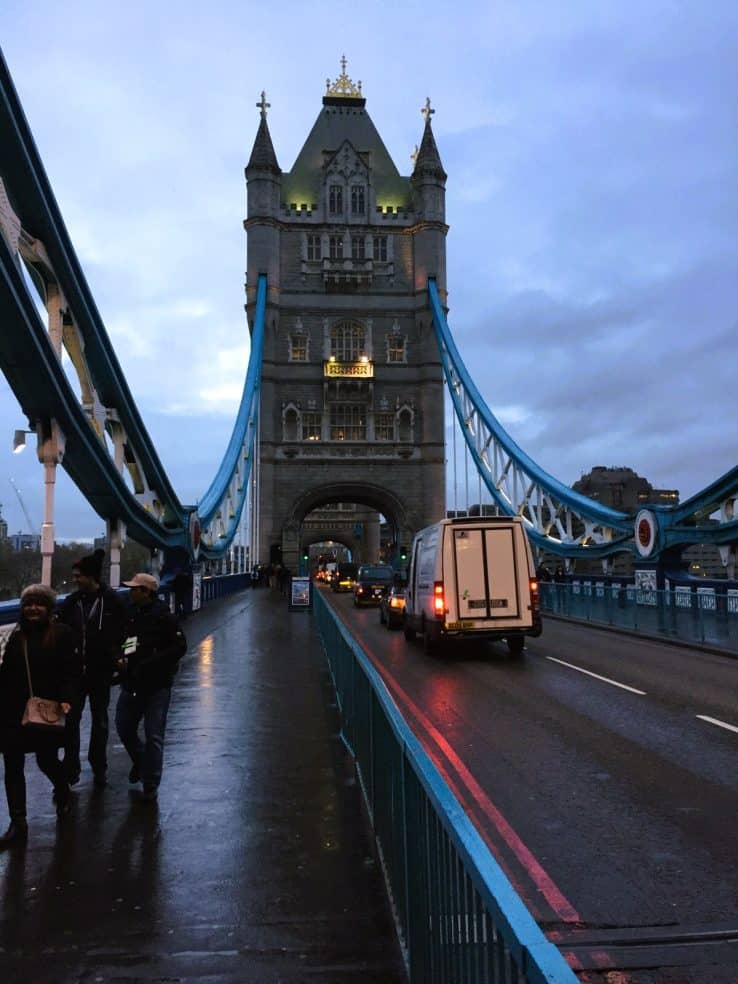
<point x="17" y="833"/>
<point x="150" y="793"/>
<point x="134" y="775"/>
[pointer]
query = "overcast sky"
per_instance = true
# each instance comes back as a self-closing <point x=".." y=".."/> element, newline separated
<point x="592" y="198"/>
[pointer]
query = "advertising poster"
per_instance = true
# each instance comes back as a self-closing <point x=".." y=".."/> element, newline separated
<point x="301" y="594"/>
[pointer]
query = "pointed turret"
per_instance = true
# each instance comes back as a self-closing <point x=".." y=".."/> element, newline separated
<point x="263" y="195"/>
<point x="428" y="177"/>
<point x="428" y="160"/>
<point x="263" y="157"/>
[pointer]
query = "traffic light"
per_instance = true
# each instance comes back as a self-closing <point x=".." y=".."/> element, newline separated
<point x="304" y="556"/>
<point x="403" y="553"/>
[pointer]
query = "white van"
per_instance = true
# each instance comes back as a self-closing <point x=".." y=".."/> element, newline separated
<point x="473" y="578"/>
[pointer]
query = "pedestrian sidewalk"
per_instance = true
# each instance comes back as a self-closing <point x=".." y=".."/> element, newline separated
<point x="254" y="866"/>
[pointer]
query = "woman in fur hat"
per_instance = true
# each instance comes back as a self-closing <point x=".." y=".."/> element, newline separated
<point x="54" y="665"/>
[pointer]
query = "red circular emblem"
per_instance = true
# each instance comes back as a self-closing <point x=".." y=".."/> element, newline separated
<point x="644" y="533"/>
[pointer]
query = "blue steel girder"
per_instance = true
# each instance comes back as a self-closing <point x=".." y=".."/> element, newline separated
<point x="557" y="518"/>
<point x="221" y="507"/>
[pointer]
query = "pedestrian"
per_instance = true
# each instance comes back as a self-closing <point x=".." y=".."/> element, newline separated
<point x="41" y="659"/>
<point x="95" y="613"/>
<point x="152" y="648"/>
<point x="182" y="593"/>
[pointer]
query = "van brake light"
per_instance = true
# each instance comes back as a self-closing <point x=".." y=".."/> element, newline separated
<point x="535" y="598"/>
<point x="439" y="602"/>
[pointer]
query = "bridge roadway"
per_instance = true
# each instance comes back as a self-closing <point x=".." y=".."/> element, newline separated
<point x="253" y="868"/>
<point x="613" y="811"/>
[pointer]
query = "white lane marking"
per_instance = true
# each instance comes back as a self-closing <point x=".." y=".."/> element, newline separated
<point x="720" y="724"/>
<point x="623" y="686"/>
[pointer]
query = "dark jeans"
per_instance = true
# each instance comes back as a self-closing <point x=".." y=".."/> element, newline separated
<point x="15" y="779"/>
<point x="147" y="756"/>
<point x="98" y="693"/>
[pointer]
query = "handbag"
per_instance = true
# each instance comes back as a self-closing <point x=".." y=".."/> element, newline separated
<point x="39" y="711"/>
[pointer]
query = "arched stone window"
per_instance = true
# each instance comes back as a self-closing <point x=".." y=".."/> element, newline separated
<point x="405" y="424"/>
<point x="290" y="422"/>
<point x="348" y="341"/>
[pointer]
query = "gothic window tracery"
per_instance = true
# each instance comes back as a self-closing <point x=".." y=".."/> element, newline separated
<point x="380" y="248"/>
<point x="348" y="341"/>
<point x="358" y="199"/>
<point x="335" y="199"/>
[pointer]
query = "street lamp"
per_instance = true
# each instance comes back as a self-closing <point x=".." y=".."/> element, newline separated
<point x="19" y="440"/>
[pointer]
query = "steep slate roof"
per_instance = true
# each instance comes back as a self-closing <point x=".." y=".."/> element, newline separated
<point x="263" y="156"/>
<point x="428" y="160"/>
<point x="341" y="120"/>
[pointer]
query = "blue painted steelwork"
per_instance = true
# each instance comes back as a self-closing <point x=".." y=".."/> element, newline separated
<point x="686" y="613"/>
<point x="223" y="502"/>
<point x="458" y="916"/>
<point x="559" y="519"/>
<point x="32" y="232"/>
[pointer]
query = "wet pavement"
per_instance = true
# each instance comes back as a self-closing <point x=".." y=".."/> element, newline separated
<point x="254" y="866"/>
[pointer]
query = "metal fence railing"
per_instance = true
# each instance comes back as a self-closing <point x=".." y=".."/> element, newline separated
<point x="701" y="616"/>
<point x="458" y="917"/>
<point x="212" y="588"/>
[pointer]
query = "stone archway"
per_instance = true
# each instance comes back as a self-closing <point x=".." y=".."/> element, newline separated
<point x="404" y="524"/>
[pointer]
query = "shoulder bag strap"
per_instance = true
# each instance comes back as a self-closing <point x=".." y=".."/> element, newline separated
<point x="28" y="668"/>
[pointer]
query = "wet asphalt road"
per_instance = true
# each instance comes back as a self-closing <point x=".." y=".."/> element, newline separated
<point x="253" y="867"/>
<point x="614" y="813"/>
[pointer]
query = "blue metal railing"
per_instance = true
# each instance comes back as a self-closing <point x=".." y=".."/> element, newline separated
<point x="212" y="588"/>
<point x="458" y="916"/>
<point x="687" y="614"/>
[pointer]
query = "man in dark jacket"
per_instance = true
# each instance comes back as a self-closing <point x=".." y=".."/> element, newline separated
<point x="152" y="648"/>
<point x="95" y="613"/>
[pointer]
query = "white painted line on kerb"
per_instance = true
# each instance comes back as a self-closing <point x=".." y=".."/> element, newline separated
<point x="597" y="676"/>
<point x="720" y="724"/>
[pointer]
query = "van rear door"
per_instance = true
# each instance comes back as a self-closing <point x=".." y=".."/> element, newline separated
<point x="486" y="565"/>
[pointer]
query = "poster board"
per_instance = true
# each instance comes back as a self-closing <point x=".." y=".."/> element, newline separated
<point x="301" y="594"/>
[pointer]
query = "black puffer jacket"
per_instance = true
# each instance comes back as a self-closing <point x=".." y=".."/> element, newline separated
<point x="55" y="674"/>
<point x="153" y="646"/>
<point x="97" y="622"/>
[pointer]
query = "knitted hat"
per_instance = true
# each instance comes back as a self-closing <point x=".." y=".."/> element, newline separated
<point x="90" y="565"/>
<point x="39" y="592"/>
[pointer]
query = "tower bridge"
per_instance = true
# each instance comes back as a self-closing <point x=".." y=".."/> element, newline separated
<point x="341" y="422"/>
<point x="352" y="388"/>
<point x="351" y="360"/>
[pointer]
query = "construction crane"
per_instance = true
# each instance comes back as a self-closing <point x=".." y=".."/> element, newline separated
<point x="23" y="506"/>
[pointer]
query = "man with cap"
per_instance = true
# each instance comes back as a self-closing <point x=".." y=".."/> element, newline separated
<point x="96" y="614"/>
<point x="152" y="648"/>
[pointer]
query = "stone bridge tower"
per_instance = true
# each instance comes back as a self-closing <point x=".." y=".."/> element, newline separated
<point x="352" y="388"/>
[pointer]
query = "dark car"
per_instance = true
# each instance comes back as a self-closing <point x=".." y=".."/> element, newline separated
<point x="344" y="577"/>
<point x="372" y="583"/>
<point x="392" y="607"/>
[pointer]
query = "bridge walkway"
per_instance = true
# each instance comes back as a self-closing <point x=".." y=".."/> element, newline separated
<point x="255" y="865"/>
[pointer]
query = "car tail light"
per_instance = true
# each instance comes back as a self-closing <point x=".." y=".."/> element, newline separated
<point x="535" y="598"/>
<point x="397" y="602"/>
<point x="439" y="602"/>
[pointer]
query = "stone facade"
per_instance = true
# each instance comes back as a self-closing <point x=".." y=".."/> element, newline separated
<point x="352" y="388"/>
